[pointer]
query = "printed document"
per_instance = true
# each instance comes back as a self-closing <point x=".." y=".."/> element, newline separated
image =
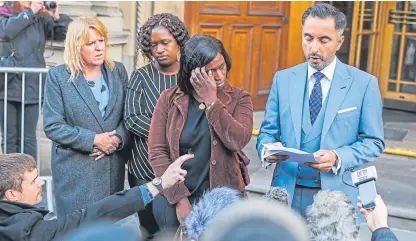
<point x="295" y="155"/>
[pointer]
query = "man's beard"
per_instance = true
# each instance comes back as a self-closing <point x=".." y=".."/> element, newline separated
<point x="322" y="65"/>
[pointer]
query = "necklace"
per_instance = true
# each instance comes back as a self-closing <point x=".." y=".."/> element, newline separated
<point x="201" y="105"/>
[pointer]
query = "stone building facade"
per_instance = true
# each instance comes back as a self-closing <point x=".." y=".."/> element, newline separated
<point x="122" y="18"/>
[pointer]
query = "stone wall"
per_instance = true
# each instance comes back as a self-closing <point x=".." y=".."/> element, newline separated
<point x="107" y="11"/>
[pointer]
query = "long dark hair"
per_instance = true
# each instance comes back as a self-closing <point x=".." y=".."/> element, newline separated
<point x="199" y="51"/>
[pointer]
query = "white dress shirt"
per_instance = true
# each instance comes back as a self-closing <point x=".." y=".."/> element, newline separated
<point x="326" y="81"/>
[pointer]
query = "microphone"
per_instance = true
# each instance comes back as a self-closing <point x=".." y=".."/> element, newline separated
<point x="365" y="180"/>
<point x="210" y="204"/>
<point x="277" y="194"/>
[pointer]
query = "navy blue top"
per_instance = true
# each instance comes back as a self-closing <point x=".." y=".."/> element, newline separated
<point x="196" y="138"/>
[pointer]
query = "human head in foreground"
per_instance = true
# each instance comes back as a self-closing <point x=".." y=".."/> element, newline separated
<point x="19" y="180"/>
<point x="255" y="219"/>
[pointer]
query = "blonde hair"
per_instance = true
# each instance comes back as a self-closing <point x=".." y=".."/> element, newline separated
<point x="76" y="37"/>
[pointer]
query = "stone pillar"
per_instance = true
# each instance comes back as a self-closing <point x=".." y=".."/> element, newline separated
<point x="109" y="12"/>
<point x="76" y="9"/>
<point x="144" y="12"/>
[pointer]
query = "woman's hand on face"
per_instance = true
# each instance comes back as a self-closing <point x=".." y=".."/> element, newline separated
<point x="183" y="209"/>
<point x="105" y="142"/>
<point x="204" y="85"/>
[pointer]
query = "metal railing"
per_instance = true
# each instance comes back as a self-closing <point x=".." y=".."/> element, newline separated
<point x="23" y="72"/>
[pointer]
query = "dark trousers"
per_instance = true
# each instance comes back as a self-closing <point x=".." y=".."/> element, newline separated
<point x="147" y="220"/>
<point x="303" y="198"/>
<point x="14" y="117"/>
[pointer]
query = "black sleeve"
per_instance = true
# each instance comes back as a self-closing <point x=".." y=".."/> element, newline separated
<point x="56" y="29"/>
<point x="383" y="234"/>
<point x="112" y="208"/>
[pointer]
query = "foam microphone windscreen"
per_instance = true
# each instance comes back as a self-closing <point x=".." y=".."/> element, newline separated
<point x="211" y="203"/>
<point x="277" y="194"/>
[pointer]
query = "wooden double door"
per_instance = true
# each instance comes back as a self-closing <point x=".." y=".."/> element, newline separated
<point x="254" y="35"/>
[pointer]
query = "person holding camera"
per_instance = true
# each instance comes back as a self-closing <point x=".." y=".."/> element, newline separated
<point x="24" y="28"/>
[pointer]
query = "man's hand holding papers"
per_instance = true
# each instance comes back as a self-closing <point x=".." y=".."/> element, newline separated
<point x="276" y="153"/>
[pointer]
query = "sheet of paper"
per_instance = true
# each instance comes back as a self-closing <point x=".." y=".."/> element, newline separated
<point x="295" y="155"/>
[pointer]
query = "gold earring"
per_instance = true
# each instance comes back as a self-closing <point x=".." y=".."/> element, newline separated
<point x="178" y="56"/>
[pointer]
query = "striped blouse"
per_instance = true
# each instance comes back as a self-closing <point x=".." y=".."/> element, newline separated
<point x="145" y="86"/>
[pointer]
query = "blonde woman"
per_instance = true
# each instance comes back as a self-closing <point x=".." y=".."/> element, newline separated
<point x="83" y="116"/>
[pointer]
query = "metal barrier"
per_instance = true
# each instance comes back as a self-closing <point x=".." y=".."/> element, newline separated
<point x="24" y="71"/>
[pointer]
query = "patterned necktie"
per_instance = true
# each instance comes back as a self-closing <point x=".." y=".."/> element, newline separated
<point x="315" y="100"/>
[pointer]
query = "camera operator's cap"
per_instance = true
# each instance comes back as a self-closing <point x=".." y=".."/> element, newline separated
<point x="258" y="220"/>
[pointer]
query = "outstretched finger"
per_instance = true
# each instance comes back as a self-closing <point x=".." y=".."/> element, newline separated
<point x="94" y="154"/>
<point x="182" y="159"/>
<point x="101" y="156"/>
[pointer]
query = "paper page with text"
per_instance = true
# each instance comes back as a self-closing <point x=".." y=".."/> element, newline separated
<point x="295" y="155"/>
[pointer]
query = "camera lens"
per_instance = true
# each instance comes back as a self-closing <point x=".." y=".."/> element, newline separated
<point x="50" y="5"/>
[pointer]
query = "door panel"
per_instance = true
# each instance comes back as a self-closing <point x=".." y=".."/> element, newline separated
<point x="241" y="48"/>
<point x="267" y="45"/>
<point x="268" y="8"/>
<point x="253" y="35"/>
<point x="401" y="76"/>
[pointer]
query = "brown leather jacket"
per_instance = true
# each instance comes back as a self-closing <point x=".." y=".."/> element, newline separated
<point x="230" y="120"/>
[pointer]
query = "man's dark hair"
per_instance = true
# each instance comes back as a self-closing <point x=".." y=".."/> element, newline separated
<point x="12" y="168"/>
<point x="169" y="21"/>
<point x="323" y="11"/>
<point x="199" y="51"/>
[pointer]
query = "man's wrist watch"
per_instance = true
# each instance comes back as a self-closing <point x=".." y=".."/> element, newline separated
<point x="157" y="182"/>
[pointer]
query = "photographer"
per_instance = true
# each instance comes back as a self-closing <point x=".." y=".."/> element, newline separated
<point x="21" y="189"/>
<point x="24" y="28"/>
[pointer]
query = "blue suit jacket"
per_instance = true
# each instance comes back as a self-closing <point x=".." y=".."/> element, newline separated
<point x="353" y="124"/>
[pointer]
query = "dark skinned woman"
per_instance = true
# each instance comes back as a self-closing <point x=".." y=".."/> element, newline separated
<point x="203" y="115"/>
<point x="160" y="40"/>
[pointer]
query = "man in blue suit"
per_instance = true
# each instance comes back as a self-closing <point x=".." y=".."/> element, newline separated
<point x="325" y="107"/>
